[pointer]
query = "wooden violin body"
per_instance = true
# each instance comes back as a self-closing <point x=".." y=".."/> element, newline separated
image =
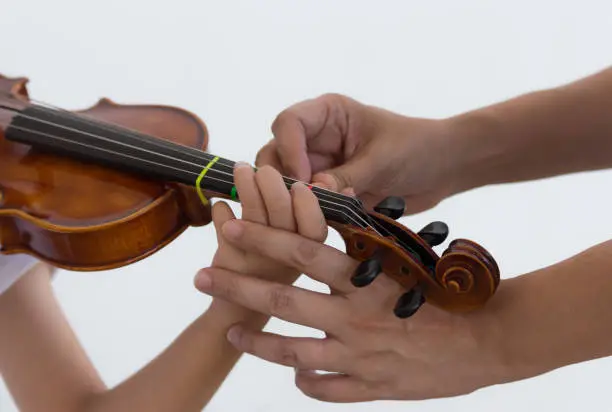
<point x="83" y="216"/>
<point x="110" y="185"/>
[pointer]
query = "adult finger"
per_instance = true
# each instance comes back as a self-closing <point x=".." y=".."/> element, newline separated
<point x="291" y="129"/>
<point x="290" y="303"/>
<point x="251" y="201"/>
<point x="268" y="156"/>
<point x="308" y="214"/>
<point x="301" y="353"/>
<point x="319" y="261"/>
<point x="276" y="197"/>
<point x="356" y="173"/>
<point x="332" y="387"/>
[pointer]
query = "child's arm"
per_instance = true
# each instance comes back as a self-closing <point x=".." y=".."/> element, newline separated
<point x="46" y="369"/>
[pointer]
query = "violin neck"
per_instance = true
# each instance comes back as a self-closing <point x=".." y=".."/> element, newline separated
<point x="83" y="138"/>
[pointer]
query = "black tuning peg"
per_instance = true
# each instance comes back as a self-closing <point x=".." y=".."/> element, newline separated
<point x="392" y="207"/>
<point x="409" y="303"/>
<point x="434" y="233"/>
<point x="366" y="272"/>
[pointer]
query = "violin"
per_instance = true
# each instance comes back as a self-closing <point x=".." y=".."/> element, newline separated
<point x="112" y="184"/>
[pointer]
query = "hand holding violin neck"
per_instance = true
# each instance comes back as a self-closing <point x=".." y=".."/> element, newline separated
<point x="151" y="166"/>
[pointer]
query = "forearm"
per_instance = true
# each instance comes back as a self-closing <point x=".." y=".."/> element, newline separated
<point x="46" y="369"/>
<point x="542" y="134"/>
<point x="188" y="373"/>
<point x="557" y="316"/>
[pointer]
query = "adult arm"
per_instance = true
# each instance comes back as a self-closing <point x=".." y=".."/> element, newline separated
<point x="535" y="323"/>
<point x="541" y="134"/>
<point x="339" y="143"/>
<point x="558" y="315"/>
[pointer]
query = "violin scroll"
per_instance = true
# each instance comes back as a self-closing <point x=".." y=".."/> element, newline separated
<point x="109" y="185"/>
<point x="468" y="272"/>
<point x="462" y="279"/>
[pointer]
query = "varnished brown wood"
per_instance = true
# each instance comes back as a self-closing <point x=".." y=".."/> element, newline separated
<point x="88" y="217"/>
<point x="84" y="216"/>
<point x="465" y="278"/>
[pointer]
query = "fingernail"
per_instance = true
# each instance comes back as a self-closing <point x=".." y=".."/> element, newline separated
<point x="349" y="192"/>
<point x="241" y="164"/>
<point x="298" y="186"/>
<point x="232" y="229"/>
<point x="233" y="335"/>
<point x="325" y="181"/>
<point x="321" y="185"/>
<point x="202" y="280"/>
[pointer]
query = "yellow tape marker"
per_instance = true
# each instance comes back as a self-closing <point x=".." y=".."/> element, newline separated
<point x="201" y="176"/>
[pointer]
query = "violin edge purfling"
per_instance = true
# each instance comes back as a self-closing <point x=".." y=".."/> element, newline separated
<point x="107" y="186"/>
<point x="40" y="190"/>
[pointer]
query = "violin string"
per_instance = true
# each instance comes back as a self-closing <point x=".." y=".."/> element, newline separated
<point x="199" y="166"/>
<point x="177" y="147"/>
<point x="200" y="154"/>
<point x="325" y="204"/>
<point x="162" y="143"/>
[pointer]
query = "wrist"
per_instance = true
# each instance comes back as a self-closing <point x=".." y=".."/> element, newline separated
<point x="547" y="319"/>
<point x="526" y="345"/>
<point x="474" y="150"/>
<point x="225" y="314"/>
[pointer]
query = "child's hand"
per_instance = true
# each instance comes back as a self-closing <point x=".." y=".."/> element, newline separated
<point x="265" y="199"/>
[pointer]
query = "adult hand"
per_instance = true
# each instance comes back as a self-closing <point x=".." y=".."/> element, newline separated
<point x="340" y="144"/>
<point x="372" y="354"/>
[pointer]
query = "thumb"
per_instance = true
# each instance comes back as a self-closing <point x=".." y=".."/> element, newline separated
<point x="221" y="213"/>
<point x="355" y="175"/>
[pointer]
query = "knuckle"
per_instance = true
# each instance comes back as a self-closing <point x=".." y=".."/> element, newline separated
<point x="304" y="254"/>
<point x="343" y="178"/>
<point x="286" y="115"/>
<point x="287" y="355"/>
<point x="318" y="233"/>
<point x="260" y="156"/>
<point x="280" y="299"/>
<point x="332" y="97"/>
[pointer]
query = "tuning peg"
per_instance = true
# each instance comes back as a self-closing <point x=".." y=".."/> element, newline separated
<point x="392" y="207"/>
<point x="409" y="303"/>
<point x="434" y="233"/>
<point x="366" y="272"/>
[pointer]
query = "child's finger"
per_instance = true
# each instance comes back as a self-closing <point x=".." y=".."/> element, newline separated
<point x="277" y="198"/>
<point x="221" y="213"/>
<point x="253" y="208"/>
<point x="308" y="214"/>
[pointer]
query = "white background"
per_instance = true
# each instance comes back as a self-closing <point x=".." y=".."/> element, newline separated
<point x="237" y="64"/>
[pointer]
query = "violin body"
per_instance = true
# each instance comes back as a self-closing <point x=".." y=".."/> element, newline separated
<point x="107" y="186"/>
<point x="83" y="216"/>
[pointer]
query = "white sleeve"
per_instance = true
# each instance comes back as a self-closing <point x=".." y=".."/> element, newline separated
<point x="12" y="267"/>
